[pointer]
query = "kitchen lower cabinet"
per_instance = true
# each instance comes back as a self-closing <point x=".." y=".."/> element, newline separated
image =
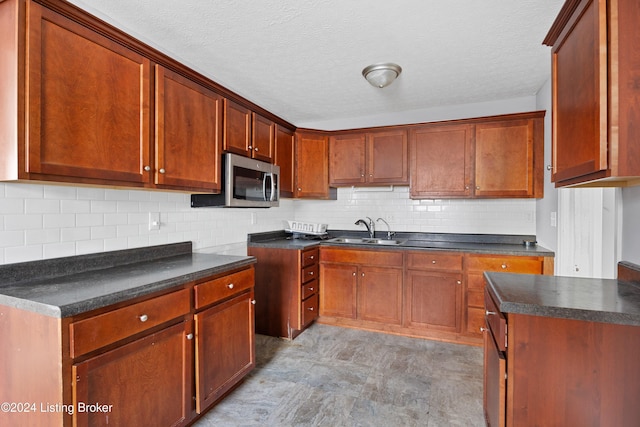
<point x="433" y="291"/>
<point x="146" y="382"/>
<point x="225" y="348"/>
<point x="287" y="290"/>
<point x="364" y="285"/>
<point x="476" y="265"/>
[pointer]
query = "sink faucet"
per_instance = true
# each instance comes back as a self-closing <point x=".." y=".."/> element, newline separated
<point x="389" y="232"/>
<point x="371" y="227"/>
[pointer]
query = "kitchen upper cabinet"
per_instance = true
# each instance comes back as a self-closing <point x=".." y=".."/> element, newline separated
<point x="495" y="157"/>
<point x="247" y="133"/>
<point x="441" y="161"/>
<point x="263" y="138"/>
<point x="595" y="94"/>
<point x="312" y="166"/>
<point x="88" y="106"/>
<point x="284" y="156"/>
<point x="188" y="133"/>
<point x="375" y="158"/>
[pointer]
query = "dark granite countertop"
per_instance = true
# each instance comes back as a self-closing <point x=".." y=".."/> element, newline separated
<point x="472" y="243"/>
<point x="597" y="300"/>
<point x="69" y="286"/>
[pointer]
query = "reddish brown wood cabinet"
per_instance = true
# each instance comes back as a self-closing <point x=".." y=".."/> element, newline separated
<point x="595" y="95"/>
<point x="492" y="157"/>
<point x="247" y="133"/>
<point x="287" y="290"/>
<point x="188" y="133"/>
<point x="284" y="156"/>
<point x="145" y="361"/>
<point x="374" y="158"/>
<point x="312" y="166"/>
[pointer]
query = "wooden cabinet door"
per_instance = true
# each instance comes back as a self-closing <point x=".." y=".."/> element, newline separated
<point x="284" y="157"/>
<point x="579" y="94"/>
<point x="338" y="290"/>
<point x="146" y="382"/>
<point x="263" y="136"/>
<point x="347" y="159"/>
<point x="225" y="348"/>
<point x="380" y="294"/>
<point x="237" y="129"/>
<point x="188" y="133"/>
<point x="388" y="157"/>
<point x="441" y="161"/>
<point x="495" y="383"/>
<point x="504" y="160"/>
<point x="312" y="165"/>
<point x="434" y="300"/>
<point x="88" y="103"/>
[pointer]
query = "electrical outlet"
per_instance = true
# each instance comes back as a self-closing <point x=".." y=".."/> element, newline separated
<point x="553" y="219"/>
<point x="154" y="221"/>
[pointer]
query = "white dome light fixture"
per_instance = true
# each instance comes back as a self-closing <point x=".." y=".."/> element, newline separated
<point x="381" y="75"/>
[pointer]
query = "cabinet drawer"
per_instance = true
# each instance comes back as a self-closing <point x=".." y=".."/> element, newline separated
<point x="434" y="261"/>
<point x="309" y="273"/>
<point x="218" y="289"/>
<point x="510" y="264"/>
<point x="90" y="334"/>
<point x="363" y="257"/>
<point x="496" y="321"/>
<point x="309" y="289"/>
<point x="310" y="257"/>
<point x="310" y="309"/>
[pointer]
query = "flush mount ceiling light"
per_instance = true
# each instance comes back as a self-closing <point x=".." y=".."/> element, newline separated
<point x="381" y="75"/>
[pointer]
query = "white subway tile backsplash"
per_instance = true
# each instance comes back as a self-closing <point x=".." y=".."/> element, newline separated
<point x="46" y="221"/>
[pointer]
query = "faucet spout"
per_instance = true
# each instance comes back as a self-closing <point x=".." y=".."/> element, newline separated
<point x="370" y="226"/>
<point x="389" y="232"/>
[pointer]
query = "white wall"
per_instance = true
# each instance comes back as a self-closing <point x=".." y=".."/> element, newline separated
<point x="631" y="224"/>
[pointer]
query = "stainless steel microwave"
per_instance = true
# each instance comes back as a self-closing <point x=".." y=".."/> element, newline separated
<point x="246" y="183"/>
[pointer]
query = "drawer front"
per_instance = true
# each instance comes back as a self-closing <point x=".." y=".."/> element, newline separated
<point x="310" y="257"/>
<point x="310" y="309"/>
<point x="475" y="320"/>
<point x="309" y="289"/>
<point x="496" y="321"/>
<point x="476" y="281"/>
<point x="364" y="257"/>
<point x="218" y="289"/>
<point x="309" y="273"/>
<point x="508" y="264"/>
<point x="96" y="332"/>
<point x="434" y="261"/>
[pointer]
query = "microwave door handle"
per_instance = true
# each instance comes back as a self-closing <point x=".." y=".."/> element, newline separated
<point x="264" y="187"/>
<point x="273" y="188"/>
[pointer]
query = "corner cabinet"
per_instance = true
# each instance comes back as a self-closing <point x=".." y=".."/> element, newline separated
<point x="312" y="166"/>
<point x="595" y="95"/>
<point x="491" y="157"/>
<point x="247" y="133"/>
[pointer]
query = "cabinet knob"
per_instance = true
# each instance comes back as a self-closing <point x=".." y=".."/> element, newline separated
<point x="147" y="168"/>
<point x="143" y="318"/>
<point x="504" y="266"/>
<point x="255" y="149"/>
<point x="483" y="329"/>
<point x="312" y="257"/>
<point x="250" y="147"/>
<point x="189" y="336"/>
<point x="253" y="302"/>
<point x="458" y="282"/>
<point x="354" y="273"/>
<point x="466" y="187"/>
<point x="311" y="289"/>
<point x="230" y="286"/>
<point x="311" y="273"/>
<point x="162" y="170"/>
<point x="299" y="189"/>
<point x="489" y="313"/>
<point x="310" y="309"/>
<point x="477" y="187"/>
<point x="362" y="274"/>
<point x="433" y="261"/>
<point x="549" y="167"/>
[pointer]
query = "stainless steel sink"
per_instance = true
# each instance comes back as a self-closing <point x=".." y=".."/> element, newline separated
<point x="366" y="241"/>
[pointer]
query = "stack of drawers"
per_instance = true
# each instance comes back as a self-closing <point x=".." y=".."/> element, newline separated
<point x="309" y="289"/>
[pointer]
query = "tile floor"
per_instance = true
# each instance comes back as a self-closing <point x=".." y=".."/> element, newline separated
<point x="331" y="376"/>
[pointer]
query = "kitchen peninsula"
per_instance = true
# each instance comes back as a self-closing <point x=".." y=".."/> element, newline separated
<point x="562" y="350"/>
<point x="136" y="330"/>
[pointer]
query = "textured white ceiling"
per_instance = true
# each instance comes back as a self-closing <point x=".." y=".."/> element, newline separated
<point x="302" y="60"/>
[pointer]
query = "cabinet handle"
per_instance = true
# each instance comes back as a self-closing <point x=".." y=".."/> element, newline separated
<point x="162" y="170"/>
<point x="189" y="336"/>
<point x="143" y="318"/>
<point x="489" y="313"/>
<point x="504" y="266"/>
<point x="230" y="286"/>
<point x="147" y="168"/>
<point x="483" y="329"/>
<point x="253" y="302"/>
